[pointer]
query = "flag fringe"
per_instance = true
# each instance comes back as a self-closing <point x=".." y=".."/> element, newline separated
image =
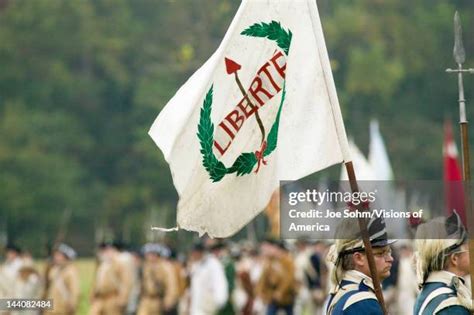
<point x="155" y="228"/>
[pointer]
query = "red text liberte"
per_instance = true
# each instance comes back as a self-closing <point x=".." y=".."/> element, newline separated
<point x="259" y="93"/>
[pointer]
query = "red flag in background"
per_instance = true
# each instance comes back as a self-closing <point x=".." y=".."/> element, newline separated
<point x="454" y="192"/>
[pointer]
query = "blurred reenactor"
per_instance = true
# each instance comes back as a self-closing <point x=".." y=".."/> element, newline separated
<point x="159" y="288"/>
<point x="28" y="284"/>
<point x="208" y="291"/>
<point x="301" y="259"/>
<point x="407" y="288"/>
<point x="19" y="279"/>
<point x="64" y="286"/>
<point x="27" y="258"/>
<point x="277" y="285"/>
<point x="221" y="251"/>
<point x="134" y="297"/>
<point x="249" y="268"/>
<point x="354" y="290"/>
<point x="112" y="284"/>
<point x="180" y="279"/>
<point x="9" y="270"/>
<point x="128" y="261"/>
<point x="443" y="259"/>
<point x="316" y="275"/>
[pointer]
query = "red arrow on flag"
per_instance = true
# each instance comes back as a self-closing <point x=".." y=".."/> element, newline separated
<point x="231" y="66"/>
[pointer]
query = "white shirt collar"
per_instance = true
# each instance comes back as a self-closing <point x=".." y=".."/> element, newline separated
<point x="357" y="277"/>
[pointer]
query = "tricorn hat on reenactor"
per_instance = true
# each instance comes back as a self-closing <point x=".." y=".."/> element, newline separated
<point x="198" y="247"/>
<point x="152" y="248"/>
<point x="348" y="236"/>
<point x="275" y="242"/>
<point x="67" y="251"/>
<point x="12" y="247"/>
<point x="107" y="244"/>
<point x="348" y="240"/>
<point x="218" y="245"/>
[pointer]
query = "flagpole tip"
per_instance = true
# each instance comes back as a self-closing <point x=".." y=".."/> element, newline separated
<point x="457" y="19"/>
<point x="458" y="52"/>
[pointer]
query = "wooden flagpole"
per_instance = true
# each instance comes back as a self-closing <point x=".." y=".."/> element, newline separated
<point x="323" y="55"/>
<point x="460" y="56"/>
<point x="366" y="240"/>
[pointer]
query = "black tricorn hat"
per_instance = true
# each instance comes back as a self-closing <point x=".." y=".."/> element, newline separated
<point x="220" y="244"/>
<point x="110" y="244"/>
<point x="376" y="229"/>
<point x="198" y="247"/>
<point x="12" y="247"/>
<point x="378" y="233"/>
<point x="276" y="242"/>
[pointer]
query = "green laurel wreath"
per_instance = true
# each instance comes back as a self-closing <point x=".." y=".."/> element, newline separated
<point x="272" y="31"/>
<point x="245" y="162"/>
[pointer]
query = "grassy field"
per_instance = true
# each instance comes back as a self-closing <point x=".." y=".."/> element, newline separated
<point x="86" y="270"/>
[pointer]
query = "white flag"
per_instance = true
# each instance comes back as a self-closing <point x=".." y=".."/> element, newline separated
<point x="364" y="169"/>
<point x="390" y="195"/>
<point x="378" y="156"/>
<point x="377" y="167"/>
<point x="263" y="108"/>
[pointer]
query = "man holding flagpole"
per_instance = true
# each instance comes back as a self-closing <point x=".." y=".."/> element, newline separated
<point x="353" y="291"/>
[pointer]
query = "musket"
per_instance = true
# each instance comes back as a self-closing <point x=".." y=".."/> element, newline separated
<point x="99" y="237"/>
<point x="459" y="55"/>
<point x="60" y="236"/>
<point x="3" y="235"/>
